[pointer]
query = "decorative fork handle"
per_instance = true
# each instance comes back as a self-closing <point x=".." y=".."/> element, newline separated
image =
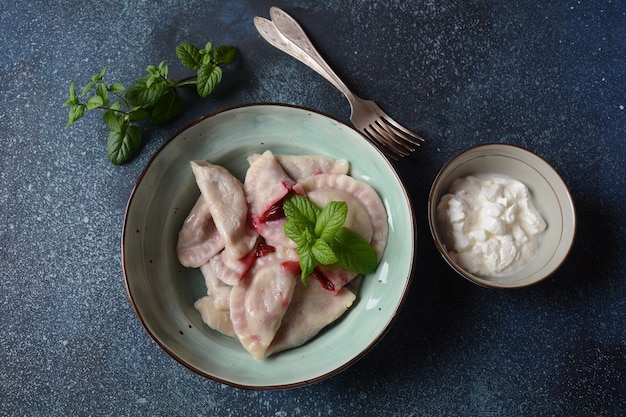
<point x="302" y="49"/>
<point x="270" y="33"/>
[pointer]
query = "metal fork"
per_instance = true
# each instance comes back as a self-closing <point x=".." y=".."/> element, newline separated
<point x="285" y="33"/>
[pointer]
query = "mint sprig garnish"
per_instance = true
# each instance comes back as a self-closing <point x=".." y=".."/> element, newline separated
<point x="321" y="237"/>
<point x="152" y="96"/>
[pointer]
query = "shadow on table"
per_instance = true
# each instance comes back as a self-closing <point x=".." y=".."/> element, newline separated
<point x="445" y="314"/>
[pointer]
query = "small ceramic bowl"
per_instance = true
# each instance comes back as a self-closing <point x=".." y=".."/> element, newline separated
<point x="550" y="196"/>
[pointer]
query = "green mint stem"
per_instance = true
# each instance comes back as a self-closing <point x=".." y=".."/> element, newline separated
<point x="152" y="96"/>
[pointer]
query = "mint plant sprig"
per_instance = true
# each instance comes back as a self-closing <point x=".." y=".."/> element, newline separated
<point x="321" y="237"/>
<point x="152" y="96"/>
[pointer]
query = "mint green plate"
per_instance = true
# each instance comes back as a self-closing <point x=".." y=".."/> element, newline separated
<point x="162" y="292"/>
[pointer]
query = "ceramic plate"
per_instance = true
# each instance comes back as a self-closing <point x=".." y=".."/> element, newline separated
<point x="162" y="292"/>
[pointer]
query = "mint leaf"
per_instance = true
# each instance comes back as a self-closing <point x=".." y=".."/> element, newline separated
<point x="323" y="253"/>
<point x="353" y="252"/>
<point x="103" y="93"/>
<point x="209" y="76"/>
<point x="140" y="94"/>
<point x="163" y="70"/>
<point x="76" y="112"/>
<point x="294" y="231"/>
<point x="88" y="87"/>
<point x="189" y="56"/>
<point x="303" y="250"/>
<point x="167" y="107"/>
<point x="94" y="102"/>
<point x="121" y="146"/>
<point x="307" y="263"/>
<point x="331" y="218"/>
<point x="224" y="54"/>
<point x="300" y="210"/>
<point x="151" y="80"/>
<point x="73" y="98"/>
<point x="207" y="48"/>
<point x="116" y="88"/>
<point x="113" y="122"/>
<point x="138" y="114"/>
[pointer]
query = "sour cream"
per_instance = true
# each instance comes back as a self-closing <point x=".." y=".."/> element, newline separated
<point x="491" y="226"/>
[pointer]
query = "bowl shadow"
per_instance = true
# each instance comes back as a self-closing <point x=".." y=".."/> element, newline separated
<point x="432" y="326"/>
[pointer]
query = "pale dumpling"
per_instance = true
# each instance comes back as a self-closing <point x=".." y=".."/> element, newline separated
<point x="198" y="239"/>
<point x="356" y="194"/>
<point x="366" y="216"/>
<point x="216" y="288"/>
<point x="266" y="184"/>
<point x="298" y="167"/>
<point x="214" y="318"/>
<point x="227" y="204"/>
<point x="258" y="305"/>
<point x="312" y="308"/>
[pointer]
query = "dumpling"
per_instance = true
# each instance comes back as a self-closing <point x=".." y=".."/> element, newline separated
<point x="216" y="319"/>
<point x="217" y="315"/>
<point x="216" y="288"/>
<point x="368" y="212"/>
<point x="312" y="308"/>
<point x="302" y="166"/>
<point x="258" y="305"/>
<point x="366" y="216"/>
<point x="334" y="276"/>
<point x="265" y="186"/>
<point x="229" y="271"/>
<point x="228" y="207"/>
<point x="198" y="239"/>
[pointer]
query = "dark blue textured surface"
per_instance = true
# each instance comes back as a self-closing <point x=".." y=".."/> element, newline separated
<point x="549" y="76"/>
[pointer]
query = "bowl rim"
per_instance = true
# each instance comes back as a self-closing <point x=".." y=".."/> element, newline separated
<point x="476" y="279"/>
<point x="408" y="280"/>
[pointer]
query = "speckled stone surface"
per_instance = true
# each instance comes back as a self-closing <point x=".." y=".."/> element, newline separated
<point x="549" y="76"/>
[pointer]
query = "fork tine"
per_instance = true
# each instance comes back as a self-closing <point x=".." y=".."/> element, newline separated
<point x="402" y="131"/>
<point x="392" y="136"/>
<point x="383" y="128"/>
<point x="384" y="148"/>
<point x="389" y="147"/>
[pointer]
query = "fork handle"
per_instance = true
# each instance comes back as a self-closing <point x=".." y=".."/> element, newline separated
<point x="293" y="32"/>
<point x="270" y="33"/>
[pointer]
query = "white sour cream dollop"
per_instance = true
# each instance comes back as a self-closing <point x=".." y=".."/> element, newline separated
<point x="491" y="226"/>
